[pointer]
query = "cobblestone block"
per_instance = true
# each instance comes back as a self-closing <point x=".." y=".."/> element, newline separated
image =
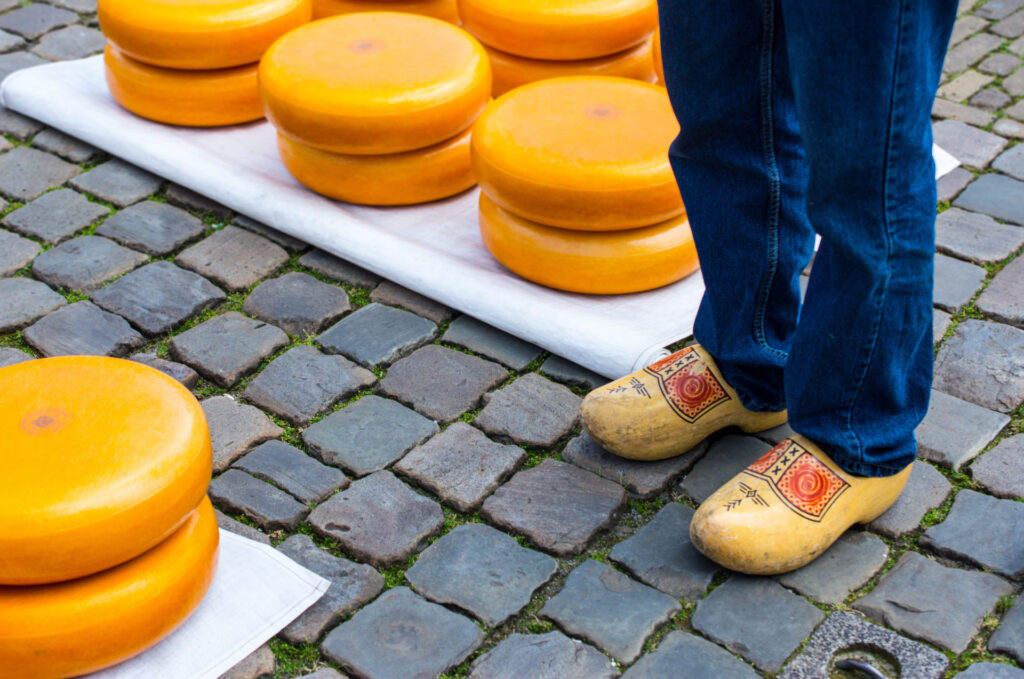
<point x="983" y="363"/>
<point x="956" y="282"/>
<point x="954" y="431"/>
<point x="1014" y="84"/>
<point x="289" y="243"/>
<point x="1011" y="162"/>
<point x="15" y="61"/>
<point x="1009" y="128"/>
<point x="26" y="173"/>
<point x="726" y="458"/>
<point x="950" y="185"/>
<point x="377" y="334"/>
<point x="1001" y="470"/>
<point x="1000" y="63"/>
<point x="661" y="555"/>
<point x="9" y="41"/>
<point x="561" y="370"/>
<point x="461" y="465"/>
<point x="269" y="507"/>
<point x="66" y="147"/>
<point x="965" y="26"/>
<point x="15" y="252"/>
<point x="543" y="656"/>
<point x="964" y="86"/>
<point x="1003" y="299"/>
<point x="991" y="670"/>
<point x="983" y="530"/>
<point x="177" y="194"/>
<point x="933" y="603"/>
<point x="302" y="382"/>
<point x="480" y="570"/>
<point x="999" y="9"/>
<point x="926" y="489"/>
<point x="845" y="567"/>
<point x="943" y="108"/>
<point x="531" y="411"/>
<point x="155" y="228"/>
<point x="490" y="342"/>
<point x="234" y="258"/>
<point x="970" y="52"/>
<point x="402" y="635"/>
<point x="55" y="216"/>
<point x="118" y="182"/>
<point x="226" y="347"/>
<point x="235" y="428"/>
<point x="25" y="301"/>
<point x="978" y="237"/>
<point x="368" y="435"/>
<point x="379" y="519"/>
<point x="225" y="522"/>
<point x="11" y="356"/>
<point x="990" y="99"/>
<point x="557" y="506"/>
<point x="259" y="664"/>
<point x="73" y="42"/>
<point x="645" y="479"/>
<point x="441" y="383"/>
<point x="996" y="195"/>
<point x="292" y="471"/>
<point x="352" y="585"/>
<point x="940" y="322"/>
<point x="1017" y="110"/>
<point x="605" y="607"/>
<point x="328" y="265"/>
<point x="687" y="656"/>
<point x="765" y="632"/>
<point x="297" y="303"/>
<point x="393" y="294"/>
<point x="1009" y="637"/>
<point x="1010" y="27"/>
<point x="17" y="125"/>
<point x="85" y="263"/>
<point x="32" y="21"/>
<point x="179" y="371"/>
<point x="82" y="328"/>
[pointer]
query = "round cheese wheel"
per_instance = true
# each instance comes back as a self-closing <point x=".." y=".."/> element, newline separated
<point x="560" y="29"/>
<point x="102" y="458"/>
<point x="72" y="628"/>
<point x="587" y="152"/>
<point x="418" y="176"/>
<point x="445" y="10"/>
<point x="199" y="34"/>
<point x="511" y="71"/>
<point x="598" y="263"/>
<point x="224" y="96"/>
<point x="374" y="83"/>
<point x="659" y="66"/>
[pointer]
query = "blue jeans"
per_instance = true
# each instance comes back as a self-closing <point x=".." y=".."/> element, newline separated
<point x="804" y="116"/>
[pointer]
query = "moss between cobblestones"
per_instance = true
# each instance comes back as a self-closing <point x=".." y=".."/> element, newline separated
<point x="14" y="340"/>
<point x="293" y="661"/>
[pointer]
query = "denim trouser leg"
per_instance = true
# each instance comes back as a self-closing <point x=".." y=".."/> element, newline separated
<point x="814" y="113"/>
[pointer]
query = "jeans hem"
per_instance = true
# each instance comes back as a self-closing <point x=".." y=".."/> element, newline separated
<point x="859" y="468"/>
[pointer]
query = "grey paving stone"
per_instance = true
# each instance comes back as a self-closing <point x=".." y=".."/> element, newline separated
<point x="542" y="656"/>
<point x="983" y="363"/>
<point x="954" y="431"/>
<point x="225" y="522"/>
<point x="324" y="673"/>
<point x="352" y="585"/>
<point x="557" y="506"/>
<point x="1011" y="162"/>
<point x="977" y="237"/>
<point x="926" y="489"/>
<point x="965" y="26"/>
<point x="726" y="458"/>
<point x="377" y="334"/>
<point x="1009" y="128"/>
<point x="1017" y="47"/>
<point x="531" y="411"/>
<point x="965" y="114"/>
<point x="25" y="301"/>
<point x="155" y="228"/>
<point x="969" y="52"/>
<point x="1001" y="470"/>
<point x="82" y="328"/>
<point x="765" y="632"/>
<point x="330" y="266"/>
<point x="660" y="554"/>
<point x="488" y="341"/>
<point x="17" y="125"/>
<point x="991" y="670"/>
<point x="1000" y="63"/>
<point x="289" y="243"/>
<point x="55" y="216"/>
<point x="645" y="479"/>
<point x="393" y="294"/>
<point x="179" y="371"/>
<point x="1010" y="27"/>
<point x="481" y="570"/>
<point x="1017" y="110"/>
<point x="118" y="182"/>
<point x="55" y="141"/>
<point x="26" y="173"/>
<point x="951" y="184"/>
<point x="85" y="263"/>
<point x="368" y="435"/>
<point x="441" y="383"/>
<point x="846" y="635"/>
<point x="73" y="42"/>
<point x="461" y="465"/>
<point x="15" y="61"/>
<point x="1009" y="636"/>
<point x="402" y="635"/>
<point x="990" y="99"/>
<point x="31" y="21"/>
<point x="982" y="530"/>
<point x="226" y="347"/>
<point x="845" y="567"/>
<point x="259" y="664"/>
<point x="302" y="382"/>
<point x="233" y="258"/>
<point x="158" y="297"/>
<point x="269" y="507"/>
<point x="956" y="282"/>
<point x="15" y="252"/>
<point x="1003" y="299"/>
<point x="999" y="9"/>
<point x="561" y="370"/>
<point x="235" y="428"/>
<point x="940" y="323"/>
<point x="11" y="356"/>
<point x="190" y="200"/>
<point x="964" y="85"/>
<point x="686" y="656"/>
<point x="292" y="471"/>
<point x="1014" y="84"/>
<point x="9" y="41"/>
<point x="605" y="607"/>
<point x="996" y="195"/>
<point x="379" y="519"/>
<point x="297" y="303"/>
<point x="933" y="603"/>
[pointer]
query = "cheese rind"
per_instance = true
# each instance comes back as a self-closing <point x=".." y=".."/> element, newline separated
<point x="445" y="10"/>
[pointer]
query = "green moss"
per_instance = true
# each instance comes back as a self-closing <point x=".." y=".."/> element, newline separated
<point x="294" y="661"/>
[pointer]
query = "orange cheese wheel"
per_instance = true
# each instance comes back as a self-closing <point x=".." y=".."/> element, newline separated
<point x="511" y="71"/>
<point x="224" y="96"/>
<point x="199" y="34"/>
<point x="560" y="29"/>
<point x="659" y="66"/>
<point x="586" y="152"/>
<point x="598" y="263"/>
<point x="374" y="83"/>
<point x="102" y="458"/>
<point x="72" y="628"/>
<point x="445" y="10"/>
<point x="418" y="176"/>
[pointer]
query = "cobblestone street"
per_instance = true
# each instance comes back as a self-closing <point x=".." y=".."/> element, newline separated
<point x="433" y="468"/>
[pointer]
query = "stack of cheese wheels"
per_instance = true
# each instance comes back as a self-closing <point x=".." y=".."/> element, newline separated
<point x="577" y="189"/>
<point x="376" y="107"/>
<point x="108" y="539"/>
<point x="530" y="40"/>
<point x="445" y="10"/>
<point x="192" y="62"/>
